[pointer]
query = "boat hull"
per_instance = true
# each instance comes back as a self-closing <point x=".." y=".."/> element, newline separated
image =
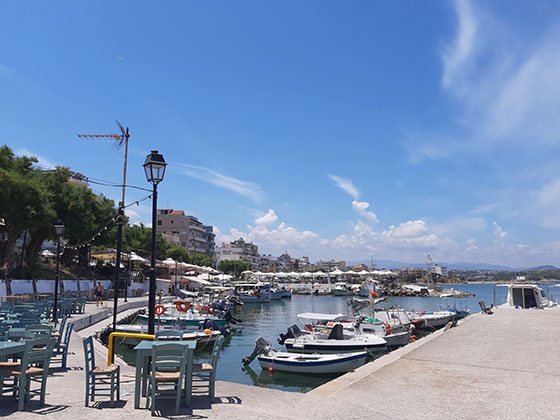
<point x="315" y="364"/>
<point x="309" y="345"/>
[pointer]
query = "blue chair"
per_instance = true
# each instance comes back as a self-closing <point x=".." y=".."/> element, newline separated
<point x="34" y="367"/>
<point x="61" y="348"/>
<point x="100" y="378"/>
<point x="166" y="376"/>
<point x="206" y="372"/>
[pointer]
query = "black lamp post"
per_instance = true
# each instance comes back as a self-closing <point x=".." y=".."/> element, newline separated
<point x="154" y="167"/>
<point x="58" y="230"/>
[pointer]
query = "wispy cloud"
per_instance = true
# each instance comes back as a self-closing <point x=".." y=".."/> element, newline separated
<point x="42" y="161"/>
<point x="248" y="189"/>
<point x="346" y="185"/>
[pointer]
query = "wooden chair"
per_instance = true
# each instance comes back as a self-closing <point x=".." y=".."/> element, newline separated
<point x="166" y="376"/>
<point x="61" y="348"/>
<point x="105" y="376"/>
<point x="206" y="372"/>
<point x="34" y="367"/>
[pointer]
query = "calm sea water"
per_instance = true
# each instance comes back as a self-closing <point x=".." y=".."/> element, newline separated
<point x="270" y="319"/>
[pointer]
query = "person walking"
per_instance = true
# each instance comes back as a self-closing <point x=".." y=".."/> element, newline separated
<point x="99" y="293"/>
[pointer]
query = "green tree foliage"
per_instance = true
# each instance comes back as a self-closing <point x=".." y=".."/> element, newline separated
<point x="138" y="238"/>
<point x="234" y="267"/>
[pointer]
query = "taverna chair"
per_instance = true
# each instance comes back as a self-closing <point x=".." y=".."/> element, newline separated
<point x="204" y="374"/>
<point x="100" y="378"/>
<point x="166" y="376"/>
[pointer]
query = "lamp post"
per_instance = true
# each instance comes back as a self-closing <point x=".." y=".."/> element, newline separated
<point x="154" y="167"/>
<point x="58" y="230"/>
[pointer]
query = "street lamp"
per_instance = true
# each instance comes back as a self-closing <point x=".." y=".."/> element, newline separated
<point x="58" y="230"/>
<point x="154" y="167"/>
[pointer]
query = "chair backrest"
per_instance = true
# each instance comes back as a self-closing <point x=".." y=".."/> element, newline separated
<point x="41" y="355"/>
<point x="169" y="335"/>
<point x="61" y="328"/>
<point x="216" y="350"/>
<point x="67" y="333"/>
<point x="168" y="356"/>
<point x="12" y="335"/>
<point x="39" y="329"/>
<point x="89" y="354"/>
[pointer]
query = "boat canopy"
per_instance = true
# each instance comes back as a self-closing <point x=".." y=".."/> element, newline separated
<point x="321" y="317"/>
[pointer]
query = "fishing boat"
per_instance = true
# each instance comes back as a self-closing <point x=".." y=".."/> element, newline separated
<point x="342" y="289"/>
<point x="202" y="337"/>
<point x="253" y="292"/>
<point x="527" y="296"/>
<point x="335" y="342"/>
<point x="304" y="363"/>
<point x="433" y="320"/>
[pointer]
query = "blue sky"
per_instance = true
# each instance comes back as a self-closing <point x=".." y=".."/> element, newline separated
<point x="324" y="128"/>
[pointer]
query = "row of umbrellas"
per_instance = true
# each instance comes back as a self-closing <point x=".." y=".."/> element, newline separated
<point x="336" y="272"/>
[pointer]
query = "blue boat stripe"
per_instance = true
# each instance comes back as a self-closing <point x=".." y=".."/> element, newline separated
<point x="327" y="362"/>
<point x="335" y="348"/>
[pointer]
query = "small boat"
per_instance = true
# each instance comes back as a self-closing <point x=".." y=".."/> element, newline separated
<point x="342" y="289"/>
<point x="253" y="292"/>
<point x="336" y="342"/>
<point x="436" y="319"/>
<point x="202" y="337"/>
<point x="304" y="363"/>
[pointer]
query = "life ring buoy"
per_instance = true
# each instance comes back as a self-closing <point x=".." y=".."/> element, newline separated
<point x="204" y="309"/>
<point x="182" y="306"/>
<point x="211" y="310"/>
<point x="159" y="310"/>
<point x="198" y="308"/>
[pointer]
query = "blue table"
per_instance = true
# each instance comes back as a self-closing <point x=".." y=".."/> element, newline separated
<point x="143" y="352"/>
<point x="9" y="348"/>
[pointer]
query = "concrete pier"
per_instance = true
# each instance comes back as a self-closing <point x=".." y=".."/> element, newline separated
<point x="500" y="366"/>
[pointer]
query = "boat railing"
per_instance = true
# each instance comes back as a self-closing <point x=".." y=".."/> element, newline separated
<point x="496" y="286"/>
<point x="548" y="290"/>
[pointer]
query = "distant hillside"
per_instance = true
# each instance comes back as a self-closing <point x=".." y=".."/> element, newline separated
<point x="389" y="264"/>
<point x="543" y="268"/>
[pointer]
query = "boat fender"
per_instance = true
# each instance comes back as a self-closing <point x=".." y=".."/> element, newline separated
<point x="159" y="310"/>
<point x="388" y="329"/>
<point x="207" y="332"/>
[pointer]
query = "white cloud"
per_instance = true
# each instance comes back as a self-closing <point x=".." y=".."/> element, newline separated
<point x="42" y="161"/>
<point x="245" y="188"/>
<point x="346" y="185"/>
<point x="361" y="207"/>
<point x="269" y="217"/>
<point x="456" y="54"/>
<point x="498" y="232"/>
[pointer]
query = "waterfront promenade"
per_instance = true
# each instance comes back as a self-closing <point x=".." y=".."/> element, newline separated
<point x="501" y="366"/>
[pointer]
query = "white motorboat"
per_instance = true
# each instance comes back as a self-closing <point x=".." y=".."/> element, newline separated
<point x="527" y="296"/>
<point x="305" y="363"/>
<point x="435" y="319"/>
<point x="202" y="337"/>
<point x="342" y="289"/>
<point x="335" y="342"/>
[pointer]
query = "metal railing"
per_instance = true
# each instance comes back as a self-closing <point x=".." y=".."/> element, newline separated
<point x="111" y="357"/>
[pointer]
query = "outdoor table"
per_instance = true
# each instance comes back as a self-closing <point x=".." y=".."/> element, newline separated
<point x="143" y="352"/>
<point x="8" y="348"/>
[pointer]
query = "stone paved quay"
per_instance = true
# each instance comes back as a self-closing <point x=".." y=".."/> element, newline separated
<point x="501" y="366"/>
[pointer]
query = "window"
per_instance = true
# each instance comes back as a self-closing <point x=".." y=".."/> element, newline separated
<point x="159" y="222"/>
<point x="172" y="222"/>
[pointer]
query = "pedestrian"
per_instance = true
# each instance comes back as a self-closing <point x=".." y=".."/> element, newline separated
<point x="99" y="293"/>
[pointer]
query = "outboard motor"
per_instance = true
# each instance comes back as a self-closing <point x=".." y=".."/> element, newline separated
<point x="293" y="332"/>
<point x="337" y="333"/>
<point x="262" y="346"/>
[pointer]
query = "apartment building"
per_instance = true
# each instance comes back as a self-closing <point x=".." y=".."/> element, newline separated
<point x="238" y="250"/>
<point x="331" y="265"/>
<point x="192" y="234"/>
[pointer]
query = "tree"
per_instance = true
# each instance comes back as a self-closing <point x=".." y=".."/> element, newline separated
<point x="234" y="267"/>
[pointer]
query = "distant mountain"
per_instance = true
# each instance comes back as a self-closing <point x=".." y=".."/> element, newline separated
<point x="543" y="268"/>
<point x="389" y="264"/>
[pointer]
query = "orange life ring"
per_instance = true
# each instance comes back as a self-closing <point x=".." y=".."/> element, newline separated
<point x="159" y="310"/>
<point x="182" y="306"/>
<point x="198" y="307"/>
<point x="388" y="329"/>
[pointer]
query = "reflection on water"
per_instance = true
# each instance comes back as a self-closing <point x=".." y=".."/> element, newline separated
<point x="270" y="319"/>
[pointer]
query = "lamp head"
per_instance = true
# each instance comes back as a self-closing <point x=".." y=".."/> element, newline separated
<point x="154" y="167"/>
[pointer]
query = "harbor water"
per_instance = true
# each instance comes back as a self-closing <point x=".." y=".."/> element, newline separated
<point x="270" y="319"/>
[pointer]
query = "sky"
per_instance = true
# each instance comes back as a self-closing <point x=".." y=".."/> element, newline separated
<point x="334" y="130"/>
